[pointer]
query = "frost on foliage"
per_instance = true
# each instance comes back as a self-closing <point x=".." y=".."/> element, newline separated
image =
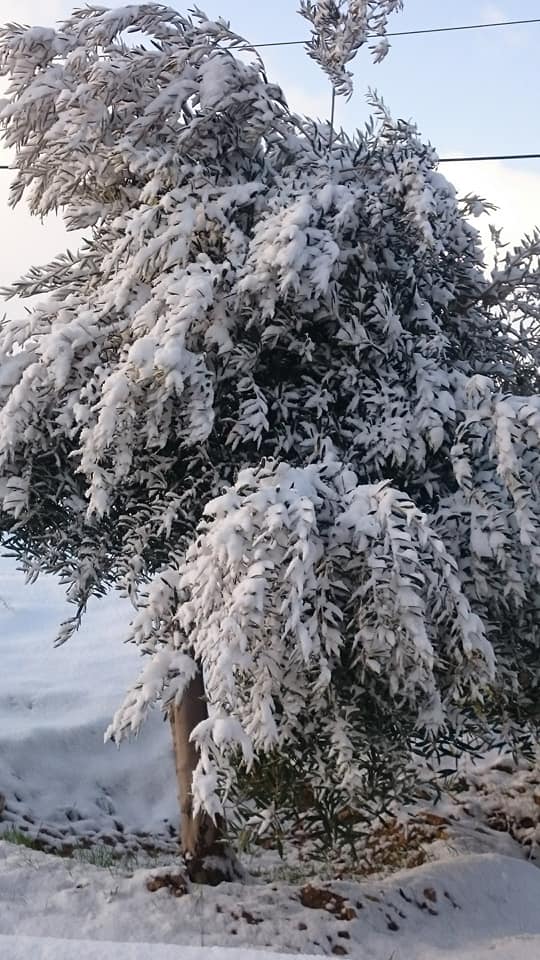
<point x="298" y="573"/>
<point x="340" y="28"/>
<point x="243" y="296"/>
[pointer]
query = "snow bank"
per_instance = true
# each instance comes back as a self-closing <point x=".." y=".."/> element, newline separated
<point x="55" y="705"/>
<point x="34" y="948"/>
<point x="461" y="908"/>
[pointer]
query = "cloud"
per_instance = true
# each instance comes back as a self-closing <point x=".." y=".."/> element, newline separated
<point x="493" y="13"/>
<point x="27" y="240"/>
<point x="514" y="190"/>
<point x="306" y="103"/>
<point x="518" y="37"/>
<point x="34" y="11"/>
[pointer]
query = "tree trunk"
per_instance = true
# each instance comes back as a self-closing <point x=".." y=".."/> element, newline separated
<point x="208" y="858"/>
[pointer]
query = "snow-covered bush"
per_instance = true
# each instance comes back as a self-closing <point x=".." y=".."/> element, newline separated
<point x="290" y="337"/>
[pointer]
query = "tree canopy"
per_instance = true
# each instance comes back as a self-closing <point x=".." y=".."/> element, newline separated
<point x="278" y="378"/>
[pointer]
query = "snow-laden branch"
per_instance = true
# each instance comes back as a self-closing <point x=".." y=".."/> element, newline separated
<point x="295" y="574"/>
<point x="340" y="28"/>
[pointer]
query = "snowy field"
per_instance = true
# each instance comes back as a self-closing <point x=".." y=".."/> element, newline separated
<point x="475" y="907"/>
<point x="54" y="707"/>
<point x="60" y="781"/>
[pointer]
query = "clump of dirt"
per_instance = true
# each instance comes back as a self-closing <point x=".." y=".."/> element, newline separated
<point x="175" y="883"/>
<point x="250" y="918"/>
<point x="320" y="898"/>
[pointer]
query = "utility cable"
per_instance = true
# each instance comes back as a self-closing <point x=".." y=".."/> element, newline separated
<point x="413" y="33"/>
<point x="500" y="156"/>
<point x="427" y="30"/>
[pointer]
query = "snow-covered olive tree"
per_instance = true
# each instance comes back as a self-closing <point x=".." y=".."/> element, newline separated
<point x="275" y="398"/>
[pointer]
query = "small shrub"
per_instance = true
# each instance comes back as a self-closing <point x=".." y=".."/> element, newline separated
<point x="12" y="835"/>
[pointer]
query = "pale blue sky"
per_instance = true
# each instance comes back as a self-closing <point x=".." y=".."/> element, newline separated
<point x="470" y="92"/>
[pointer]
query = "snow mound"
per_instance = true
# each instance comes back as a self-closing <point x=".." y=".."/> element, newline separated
<point x="467" y="907"/>
<point x="58" y="777"/>
<point x="34" y="948"/>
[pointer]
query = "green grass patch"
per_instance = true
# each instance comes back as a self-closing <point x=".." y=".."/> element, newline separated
<point x="12" y="835"/>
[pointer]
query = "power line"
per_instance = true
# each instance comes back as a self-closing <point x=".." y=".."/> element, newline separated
<point x="502" y="156"/>
<point x="483" y="159"/>
<point x="414" y="33"/>
<point x="426" y="30"/>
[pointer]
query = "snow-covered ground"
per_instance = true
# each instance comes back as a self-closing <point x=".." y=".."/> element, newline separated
<point x="477" y="901"/>
<point x="470" y="906"/>
<point x="514" y="948"/>
<point x="55" y="705"/>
